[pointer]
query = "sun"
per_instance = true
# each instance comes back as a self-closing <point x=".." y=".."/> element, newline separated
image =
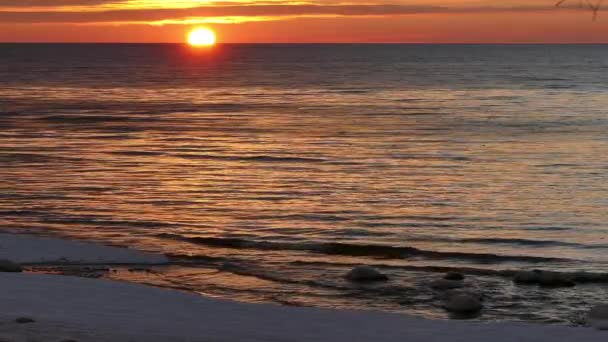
<point x="201" y="37"/>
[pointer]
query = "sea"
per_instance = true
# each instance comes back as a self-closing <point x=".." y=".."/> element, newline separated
<point x="267" y="171"/>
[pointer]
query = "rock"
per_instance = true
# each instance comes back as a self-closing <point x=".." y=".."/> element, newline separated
<point x="454" y="276"/>
<point x="365" y="273"/>
<point x="24" y="320"/>
<point x="527" y="277"/>
<point x="544" y="278"/>
<point x="451" y="293"/>
<point x="555" y="279"/>
<point x="9" y="266"/>
<point x="463" y="303"/>
<point x="588" y="277"/>
<point x="598" y="317"/>
<point x="444" y="284"/>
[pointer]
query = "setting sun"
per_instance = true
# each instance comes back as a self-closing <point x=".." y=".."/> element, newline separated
<point x="201" y="37"/>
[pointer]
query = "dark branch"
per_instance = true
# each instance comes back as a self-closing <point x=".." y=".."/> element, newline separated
<point x="595" y="7"/>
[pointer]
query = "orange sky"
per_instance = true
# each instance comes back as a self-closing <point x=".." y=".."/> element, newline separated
<point x="415" y="21"/>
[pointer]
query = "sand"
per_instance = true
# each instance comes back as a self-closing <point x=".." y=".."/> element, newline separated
<point x="82" y="309"/>
<point x="27" y="249"/>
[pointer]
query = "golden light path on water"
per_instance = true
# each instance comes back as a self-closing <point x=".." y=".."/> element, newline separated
<point x="271" y="170"/>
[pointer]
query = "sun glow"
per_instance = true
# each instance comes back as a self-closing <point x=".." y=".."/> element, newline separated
<point x="201" y="37"/>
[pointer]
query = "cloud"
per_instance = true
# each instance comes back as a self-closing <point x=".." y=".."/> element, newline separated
<point x="241" y="10"/>
<point x="55" y="3"/>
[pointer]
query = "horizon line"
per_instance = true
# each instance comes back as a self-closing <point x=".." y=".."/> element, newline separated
<point x="308" y="43"/>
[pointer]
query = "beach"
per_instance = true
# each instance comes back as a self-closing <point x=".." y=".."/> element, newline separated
<point x="217" y="175"/>
<point x="68" y="308"/>
<point x="416" y="159"/>
<point x="323" y="171"/>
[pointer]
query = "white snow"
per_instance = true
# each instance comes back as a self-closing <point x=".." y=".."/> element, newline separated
<point x="30" y="249"/>
<point x="93" y="310"/>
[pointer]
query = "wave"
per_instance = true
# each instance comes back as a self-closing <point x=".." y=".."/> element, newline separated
<point x="303" y="217"/>
<point x="576" y="276"/>
<point x="244" y="267"/>
<point x="87" y="119"/>
<point x="35" y="158"/>
<point x="138" y="153"/>
<point x="43" y="216"/>
<point x="247" y="268"/>
<point x="358" y="250"/>
<point x="519" y="242"/>
<point x="259" y="158"/>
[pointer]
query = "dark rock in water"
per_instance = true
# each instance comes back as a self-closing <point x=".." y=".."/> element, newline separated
<point x="463" y="303"/>
<point x="451" y="293"/>
<point x="24" y="320"/>
<point x="454" y="276"/>
<point x="365" y="273"/>
<point x="527" y="277"/>
<point x="444" y="284"/>
<point x="544" y="278"/>
<point x="587" y="277"/>
<point x="554" y="279"/>
<point x="9" y="266"/>
<point x="598" y="317"/>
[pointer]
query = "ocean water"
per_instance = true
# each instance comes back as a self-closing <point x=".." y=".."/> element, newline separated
<point x="266" y="172"/>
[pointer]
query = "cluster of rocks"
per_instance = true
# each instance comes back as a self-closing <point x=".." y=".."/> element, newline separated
<point x="463" y="302"/>
<point x="457" y="299"/>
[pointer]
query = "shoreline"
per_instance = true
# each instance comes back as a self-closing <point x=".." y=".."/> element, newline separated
<point x="74" y="308"/>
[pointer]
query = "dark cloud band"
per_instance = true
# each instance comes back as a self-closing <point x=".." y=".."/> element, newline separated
<point x="55" y="3"/>
<point x="150" y="15"/>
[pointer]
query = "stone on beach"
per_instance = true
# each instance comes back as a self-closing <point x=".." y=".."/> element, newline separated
<point x="9" y="266"/>
<point x="365" y="273"/>
<point x="463" y="303"/>
<point x="24" y="320"/>
<point x="444" y="284"/>
<point x="598" y="317"/>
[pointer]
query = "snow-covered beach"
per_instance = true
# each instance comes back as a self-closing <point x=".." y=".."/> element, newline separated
<point x="78" y="309"/>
